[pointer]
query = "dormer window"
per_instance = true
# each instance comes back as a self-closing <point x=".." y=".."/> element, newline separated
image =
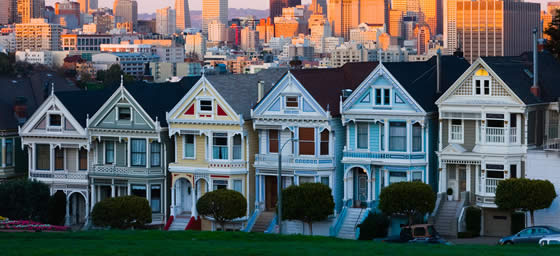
<point x="482" y="84"/>
<point x="383" y="96"/>
<point x="292" y="102"/>
<point x="124" y="113"/>
<point x="55" y="120"/>
<point x="205" y="105"/>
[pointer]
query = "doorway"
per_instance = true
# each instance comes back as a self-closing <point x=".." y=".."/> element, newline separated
<point x="271" y="193"/>
<point x="360" y="187"/>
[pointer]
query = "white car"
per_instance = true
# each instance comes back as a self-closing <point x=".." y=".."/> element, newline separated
<point x="550" y="240"/>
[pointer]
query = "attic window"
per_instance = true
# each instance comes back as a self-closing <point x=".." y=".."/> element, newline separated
<point x="55" y="120"/>
<point x="205" y="105"/>
<point x="124" y="113"/>
<point x="292" y="102"/>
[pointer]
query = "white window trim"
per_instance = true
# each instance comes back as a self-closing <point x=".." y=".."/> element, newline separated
<point x="449" y="140"/>
<point x="408" y="134"/>
<point x="383" y="88"/>
<point x="229" y="146"/>
<point x="482" y="79"/>
<point x="62" y="120"/>
<point x="205" y="112"/>
<point x="367" y="140"/>
<point x="233" y="144"/>
<point x="105" y="152"/>
<point x="184" y="146"/>
<point x="286" y="101"/>
<point x="123" y="105"/>
<point x="242" y="185"/>
<point x="422" y="142"/>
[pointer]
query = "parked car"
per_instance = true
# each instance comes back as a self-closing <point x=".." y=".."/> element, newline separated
<point x="530" y="235"/>
<point x="550" y="240"/>
<point x="421" y="233"/>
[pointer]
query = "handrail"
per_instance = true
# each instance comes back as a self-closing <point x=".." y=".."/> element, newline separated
<point x="358" y="219"/>
<point x="271" y="226"/>
<point x="251" y="221"/>
<point x="460" y="219"/>
<point x="335" y="228"/>
<point x="361" y="221"/>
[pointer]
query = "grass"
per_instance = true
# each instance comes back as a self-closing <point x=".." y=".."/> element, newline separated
<point x="230" y="243"/>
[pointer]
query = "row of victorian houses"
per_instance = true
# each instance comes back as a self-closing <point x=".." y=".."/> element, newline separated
<point x="357" y="129"/>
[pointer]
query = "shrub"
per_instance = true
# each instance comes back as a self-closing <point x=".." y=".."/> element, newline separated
<point x="449" y="191"/>
<point x="308" y="203"/>
<point x="223" y="205"/>
<point x="376" y="225"/>
<point x="517" y="222"/>
<point x="57" y="208"/>
<point x="473" y="221"/>
<point x="24" y="199"/>
<point x="122" y="212"/>
<point x="407" y="198"/>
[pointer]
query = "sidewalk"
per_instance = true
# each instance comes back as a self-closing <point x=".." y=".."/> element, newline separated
<point x="476" y="240"/>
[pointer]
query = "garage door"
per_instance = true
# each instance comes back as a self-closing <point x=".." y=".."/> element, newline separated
<point x="497" y="223"/>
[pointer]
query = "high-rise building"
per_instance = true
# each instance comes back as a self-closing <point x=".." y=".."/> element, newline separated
<point x="38" y="35"/>
<point x="249" y="40"/>
<point x="552" y="8"/>
<point x="217" y="31"/>
<point x="276" y="6"/>
<point x="87" y="5"/>
<point x="490" y="27"/>
<point x="195" y="45"/>
<point x="373" y="11"/>
<point x="319" y="29"/>
<point x="395" y="23"/>
<point x="183" y="19"/>
<point x="214" y="10"/>
<point x="165" y="21"/>
<point x="128" y="10"/>
<point x="422" y="34"/>
<point x="318" y="7"/>
<point x="425" y="11"/>
<point x="343" y="15"/>
<point x="291" y="23"/>
<point x="8" y="11"/>
<point x="266" y="29"/>
<point x="29" y="9"/>
<point x="68" y="13"/>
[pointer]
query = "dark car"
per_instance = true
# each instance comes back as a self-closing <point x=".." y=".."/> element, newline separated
<point x="421" y="233"/>
<point x="530" y="235"/>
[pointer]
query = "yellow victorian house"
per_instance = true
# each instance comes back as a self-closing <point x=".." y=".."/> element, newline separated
<point x="214" y="143"/>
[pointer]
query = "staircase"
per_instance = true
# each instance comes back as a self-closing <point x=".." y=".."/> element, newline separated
<point x="263" y="221"/>
<point x="446" y="218"/>
<point x="180" y="222"/>
<point x="353" y="218"/>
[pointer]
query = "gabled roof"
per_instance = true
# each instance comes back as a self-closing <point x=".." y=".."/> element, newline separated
<point x="241" y="91"/>
<point x="326" y="85"/>
<point x="82" y="104"/>
<point x="517" y="72"/>
<point x="420" y="78"/>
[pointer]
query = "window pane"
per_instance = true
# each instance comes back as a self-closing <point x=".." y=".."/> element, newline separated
<point x="417" y="176"/>
<point x="387" y="96"/>
<point x="138" y="190"/>
<point x="43" y="157"/>
<point x="205" y="105"/>
<point x="306" y="179"/>
<point x="513" y="171"/>
<point x="325" y="180"/>
<point x="395" y="177"/>
<point x="377" y="96"/>
<point x="220" y="150"/>
<point x="83" y="159"/>
<point x="58" y="159"/>
<point x="397" y="136"/>
<point x="477" y="87"/>
<point x="238" y="186"/>
<point x="138" y="152"/>
<point x="307" y="141"/>
<point x="219" y="184"/>
<point x="325" y="142"/>
<point x="124" y="113"/>
<point x="362" y="135"/>
<point x="273" y="141"/>
<point x="292" y="102"/>
<point x="156" y="198"/>
<point x="188" y="152"/>
<point x="237" y="148"/>
<point x="55" y="120"/>
<point x="9" y="152"/>
<point x="486" y="87"/>
<point x="155" y="154"/>
<point x="109" y="152"/>
<point x="382" y="132"/>
<point x="416" y="138"/>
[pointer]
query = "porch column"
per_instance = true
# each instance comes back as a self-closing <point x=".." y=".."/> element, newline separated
<point x="129" y="190"/>
<point x="386" y="177"/>
<point x="443" y="178"/>
<point x="507" y="126"/>
<point x="128" y="153"/>
<point x="482" y="178"/>
<point x="172" y="207"/>
<point x="369" y="190"/>
<point x="148" y="193"/>
<point x="51" y="158"/>
<point x="3" y="154"/>
<point x="194" y="199"/>
<point x="519" y="125"/>
<point x="113" y="189"/>
<point x="469" y="170"/>
<point x="483" y="129"/>
<point x="92" y="196"/>
<point x="408" y="137"/>
<point x="148" y="154"/>
<point x="87" y="210"/>
<point x="386" y="135"/>
<point x="345" y="189"/>
<point x="477" y="179"/>
<point x="67" y="216"/>
<point x="373" y="198"/>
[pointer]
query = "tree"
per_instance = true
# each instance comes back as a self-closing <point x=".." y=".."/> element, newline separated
<point x="407" y="198"/>
<point x="24" y="199"/>
<point x="223" y="205"/>
<point x="525" y="194"/>
<point x="308" y="203"/>
<point x="5" y="64"/>
<point x="122" y="212"/>
<point x="553" y="32"/>
<point x="57" y="208"/>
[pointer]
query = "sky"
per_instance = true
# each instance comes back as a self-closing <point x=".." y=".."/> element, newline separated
<point x="149" y="6"/>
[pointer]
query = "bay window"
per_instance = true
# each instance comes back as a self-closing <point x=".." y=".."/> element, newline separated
<point x="307" y="141"/>
<point x="220" y="150"/>
<point x="9" y="152"/>
<point x="325" y="142"/>
<point x="58" y="159"/>
<point x="156" y="198"/>
<point x="109" y="152"/>
<point x="138" y="152"/>
<point x="82" y="155"/>
<point x="416" y="137"/>
<point x="362" y="137"/>
<point x="273" y="137"/>
<point x="155" y="154"/>
<point x="237" y="147"/>
<point x="397" y="136"/>
<point x="188" y="146"/>
<point x="43" y="155"/>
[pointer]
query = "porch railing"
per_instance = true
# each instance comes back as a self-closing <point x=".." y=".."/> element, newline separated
<point x="78" y="175"/>
<point x="495" y="135"/>
<point x="552" y="144"/>
<point x="491" y="185"/>
<point x="389" y="155"/>
<point x="291" y="160"/>
<point x="512" y="135"/>
<point x="111" y="170"/>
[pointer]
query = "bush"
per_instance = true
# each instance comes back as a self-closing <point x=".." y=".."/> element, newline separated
<point x="57" y="208"/>
<point x="517" y="222"/>
<point x="223" y="205"/>
<point x="308" y="203"/>
<point x="23" y="199"/>
<point x="407" y="198"/>
<point x="122" y="212"/>
<point x="376" y="225"/>
<point x="473" y="221"/>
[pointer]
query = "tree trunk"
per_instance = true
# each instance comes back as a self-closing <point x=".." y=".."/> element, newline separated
<point x="310" y="227"/>
<point x="532" y="217"/>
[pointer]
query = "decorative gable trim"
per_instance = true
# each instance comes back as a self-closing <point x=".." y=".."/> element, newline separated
<point x="379" y="71"/>
<point x="467" y="75"/>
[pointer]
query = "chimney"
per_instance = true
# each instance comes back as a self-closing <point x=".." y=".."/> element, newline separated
<point x="20" y="110"/>
<point x="535" y="90"/>
<point x="346" y="93"/>
<point x="260" y="91"/>
<point x="438" y="71"/>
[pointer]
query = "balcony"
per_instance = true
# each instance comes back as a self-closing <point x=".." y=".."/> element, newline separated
<point x="291" y="161"/>
<point x="497" y="135"/>
<point x="59" y="175"/>
<point x="384" y="156"/>
<point x="552" y="145"/>
<point x="486" y="194"/>
<point x="111" y="170"/>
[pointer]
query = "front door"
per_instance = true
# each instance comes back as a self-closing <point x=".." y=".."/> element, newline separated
<point x="271" y="193"/>
<point x="361" y="188"/>
<point x="462" y="179"/>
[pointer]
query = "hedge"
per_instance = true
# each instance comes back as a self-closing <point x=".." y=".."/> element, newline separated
<point x="517" y="222"/>
<point x="24" y="199"/>
<point x="473" y="220"/>
<point x="122" y="212"/>
<point x="376" y="225"/>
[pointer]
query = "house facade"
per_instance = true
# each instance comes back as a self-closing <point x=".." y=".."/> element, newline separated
<point x="482" y="139"/>
<point x="214" y="142"/>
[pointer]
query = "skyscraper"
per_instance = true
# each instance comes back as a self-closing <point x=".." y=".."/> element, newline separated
<point x="29" y="9"/>
<point x="127" y="9"/>
<point x="425" y="11"/>
<point x="165" y="21"/>
<point x="344" y="15"/>
<point x="319" y="7"/>
<point x="276" y="6"/>
<point x="373" y="11"/>
<point x="8" y="11"/>
<point x="214" y="10"/>
<point x="183" y="19"/>
<point x="87" y="5"/>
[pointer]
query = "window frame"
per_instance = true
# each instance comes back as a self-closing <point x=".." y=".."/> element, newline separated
<point x="49" y="114"/>
<point x="358" y="136"/>
<point x="233" y="185"/>
<point x="482" y="79"/>
<point x="185" y="146"/>
<point x="227" y="145"/>
<point x="155" y="153"/>
<point x="119" y="108"/>
<point x="450" y="132"/>
<point x="233" y="145"/>
<point x="59" y="153"/>
<point x="381" y="98"/>
<point x="9" y="152"/>
<point x="277" y="139"/>
<point x="413" y="127"/>
<point x="321" y="142"/>
<point x="132" y="152"/>
<point x="200" y="110"/>
<point x="302" y="141"/>
<point x="48" y="160"/>
<point x="105" y="151"/>
<point x="82" y="152"/>
<point x="220" y="180"/>
<point x="286" y="102"/>
<point x="391" y="136"/>
<point x="151" y="186"/>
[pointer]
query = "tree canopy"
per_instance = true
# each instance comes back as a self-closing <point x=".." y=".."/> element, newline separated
<point x="407" y="198"/>
<point x="223" y="205"/>
<point x="308" y="202"/>
<point x="553" y="32"/>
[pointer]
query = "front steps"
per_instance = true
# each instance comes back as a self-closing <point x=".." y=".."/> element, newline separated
<point x="180" y="222"/>
<point x="445" y="221"/>
<point x="353" y="218"/>
<point x="262" y="222"/>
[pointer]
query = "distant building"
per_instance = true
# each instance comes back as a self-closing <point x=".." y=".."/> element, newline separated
<point x="276" y="6"/>
<point x="38" y="35"/>
<point x="195" y="44"/>
<point x="162" y="71"/>
<point x="165" y="21"/>
<point x="217" y="31"/>
<point x="29" y="9"/>
<point x="214" y="10"/>
<point x="183" y="16"/>
<point x="266" y="29"/>
<point x="128" y="10"/>
<point x="366" y="32"/>
<point x="250" y="40"/>
<point x="35" y="57"/>
<point x="131" y="63"/>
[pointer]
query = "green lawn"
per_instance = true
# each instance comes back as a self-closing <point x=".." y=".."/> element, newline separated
<point x="222" y="244"/>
